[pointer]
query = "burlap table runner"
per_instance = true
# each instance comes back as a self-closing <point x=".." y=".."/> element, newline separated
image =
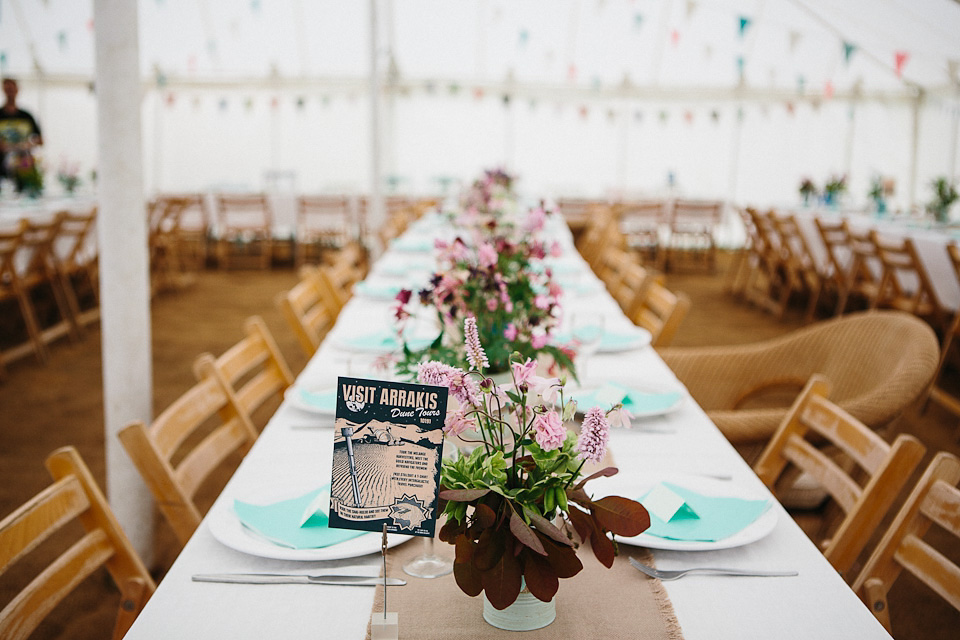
<point x="614" y="603"/>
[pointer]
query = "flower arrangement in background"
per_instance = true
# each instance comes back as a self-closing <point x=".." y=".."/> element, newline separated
<point x="27" y="173"/>
<point x="491" y="278"/>
<point x="834" y="188"/>
<point x="944" y="195"/>
<point x="877" y="193"/>
<point x="808" y="190"/>
<point x="516" y="506"/>
<point x="68" y="174"/>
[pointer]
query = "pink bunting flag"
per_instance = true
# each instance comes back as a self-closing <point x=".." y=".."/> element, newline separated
<point x="899" y="59"/>
<point x="674" y="37"/>
<point x="828" y="90"/>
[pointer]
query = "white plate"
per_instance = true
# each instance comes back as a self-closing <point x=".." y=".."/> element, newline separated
<point x="640" y="337"/>
<point x="754" y="531"/>
<point x="228" y="530"/>
<point x="294" y="395"/>
<point x="642" y="388"/>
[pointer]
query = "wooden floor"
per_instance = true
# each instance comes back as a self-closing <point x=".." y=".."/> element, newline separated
<point x="44" y="407"/>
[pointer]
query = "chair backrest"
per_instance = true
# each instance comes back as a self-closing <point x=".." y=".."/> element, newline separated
<point x="699" y="213"/>
<point x="185" y="444"/>
<point x="934" y="500"/>
<point x="938" y="393"/>
<point x="887" y="467"/>
<point x="322" y="217"/>
<point x="74" y="496"/>
<point x="309" y="309"/>
<point x="904" y="283"/>
<point x="244" y="212"/>
<point x="861" y="274"/>
<point x="660" y="311"/>
<point x="794" y="246"/>
<point x="74" y="237"/>
<point x="38" y="241"/>
<point x="254" y="368"/>
<point x="836" y="239"/>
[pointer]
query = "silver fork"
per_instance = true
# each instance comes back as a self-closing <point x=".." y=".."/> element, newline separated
<point x="665" y="574"/>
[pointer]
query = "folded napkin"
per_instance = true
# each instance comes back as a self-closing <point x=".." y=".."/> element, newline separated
<point x="376" y="291"/>
<point x="320" y="400"/>
<point x="639" y="403"/>
<point x="612" y="341"/>
<point x="679" y="513"/>
<point x="384" y="342"/>
<point x="297" y="523"/>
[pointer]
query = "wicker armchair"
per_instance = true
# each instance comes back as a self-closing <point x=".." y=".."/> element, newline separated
<point x="879" y="361"/>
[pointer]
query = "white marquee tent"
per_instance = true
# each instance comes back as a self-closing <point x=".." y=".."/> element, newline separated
<point x="733" y="99"/>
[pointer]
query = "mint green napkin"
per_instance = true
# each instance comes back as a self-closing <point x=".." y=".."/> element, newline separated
<point x="639" y="403"/>
<point x="378" y="291"/>
<point x="320" y="400"/>
<point x="706" y="518"/>
<point x="280" y="522"/>
<point x="408" y="243"/>
<point x="384" y="342"/>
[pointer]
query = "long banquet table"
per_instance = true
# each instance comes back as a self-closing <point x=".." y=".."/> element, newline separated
<point x="288" y="457"/>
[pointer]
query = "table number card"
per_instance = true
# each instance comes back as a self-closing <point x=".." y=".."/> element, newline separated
<point x="386" y="456"/>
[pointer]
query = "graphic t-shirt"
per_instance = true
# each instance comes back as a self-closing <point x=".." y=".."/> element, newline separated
<point x="17" y="126"/>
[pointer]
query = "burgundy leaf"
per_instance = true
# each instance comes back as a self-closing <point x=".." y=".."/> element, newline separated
<point x="463" y="495"/>
<point x="488" y="550"/>
<point x="602" y="547"/>
<point x="564" y="560"/>
<point x="540" y="576"/>
<point x="466" y="575"/>
<point x="606" y="472"/>
<point x="502" y="582"/>
<point x="545" y="526"/>
<point x="450" y="531"/>
<point x="580" y="497"/>
<point x="484" y="516"/>
<point x="582" y="522"/>
<point x="524" y="533"/>
<point x="622" y="516"/>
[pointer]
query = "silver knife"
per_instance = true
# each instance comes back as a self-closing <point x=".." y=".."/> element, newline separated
<point x="293" y="578"/>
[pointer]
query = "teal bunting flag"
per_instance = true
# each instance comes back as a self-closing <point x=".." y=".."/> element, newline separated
<point x="637" y="20"/>
<point x="62" y="40"/>
<point x="801" y="84"/>
<point x="3" y="60"/>
<point x="524" y="37"/>
<point x="848" y="50"/>
<point x="744" y="25"/>
<point x="740" y="66"/>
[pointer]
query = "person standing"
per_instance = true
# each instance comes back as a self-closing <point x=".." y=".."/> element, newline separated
<point x="19" y="135"/>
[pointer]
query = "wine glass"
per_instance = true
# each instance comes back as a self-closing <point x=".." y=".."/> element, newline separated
<point x="587" y="329"/>
<point x="428" y="564"/>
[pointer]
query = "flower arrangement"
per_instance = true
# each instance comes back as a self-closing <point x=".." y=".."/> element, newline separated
<point x="807" y="190"/>
<point x="68" y="175"/>
<point x="499" y="281"/>
<point x="834" y="188"/>
<point x="27" y="173"/>
<point x="516" y="507"/>
<point x="944" y="195"/>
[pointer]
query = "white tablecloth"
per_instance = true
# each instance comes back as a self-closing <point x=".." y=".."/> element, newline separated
<point x="816" y="604"/>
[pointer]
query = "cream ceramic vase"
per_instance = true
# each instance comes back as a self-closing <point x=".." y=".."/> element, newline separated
<point x="526" y="614"/>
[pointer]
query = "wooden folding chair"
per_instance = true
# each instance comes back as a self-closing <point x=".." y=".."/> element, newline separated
<point x="935" y="500"/>
<point x="746" y="258"/>
<point x="309" y="309"/>
<point x="836" y="239"/>
<point x="640" y="224"/>
<point x="253" y="369"/>
<point x="12" y="289"/>
<point x="659" y="311"/>
<point x="321" y="226"/>
<point x="937" y="393"/>
<point x="692" y="227"/>
<point x="74" y="496"/>
<point x="78" y="261"/>
<point x="887" y="467"/>
<point x="188" y="441"/>
<point x="245" y="224"/>
<point x="904" y="283"/>
<point x="765" y="275"/>
<point x="41" y="269"/>
<point x="863" y="274"/>
<point x="799" y="267"/>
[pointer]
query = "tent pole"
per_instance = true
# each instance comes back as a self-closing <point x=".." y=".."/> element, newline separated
<point x="851" y="134"/>
<point x="914" y="148"/>
<point x="124" y="273"/>
<point x="374" y="214"/>
<point x="954" y="132"/>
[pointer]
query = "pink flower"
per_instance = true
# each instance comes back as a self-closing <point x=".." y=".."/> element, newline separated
<point x="541" y="302"/>
<point x="620" y="417"/>
<point x="487" y="255"/>
<point x="476" y="356"/>
<point x="550" y="433"/>
<point x="510" y="333"/>
<point x="461" y="386"/>
<point x="456" y="422"/>
<point x="522" y="372"/>
<point x="492" y="304"/>
<point x="538" y="340"/>
<point x="594" y="434"/>
<point x="547" y="388"/>
<point x="536" y="219"/>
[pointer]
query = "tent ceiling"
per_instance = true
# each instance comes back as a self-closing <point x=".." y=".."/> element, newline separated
<point x="800" y="46"/>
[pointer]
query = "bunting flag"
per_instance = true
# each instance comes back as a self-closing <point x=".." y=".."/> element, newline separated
<point x="637" y="20"/>
<point x="223" y="104"/>
<point x="524" y="37"/>
<point x="478" y="93"/>
<point x="664" y="116"/>
<point x="741" y="115"/>
<point x="532" y="104"/>
<point x="3" y="61"/>
<point x="674" y="37"/>
<point x="691" y="7"/>
<point x="254" y="6"/>
<point x="638" y="115"/>
<point x="745" y="23"/>
<point x="596" y="83"/>
<point x="740" y="65"/>
<point x="899" y="59"/>
<point x="212" y="47"/>
<point x="90" y="25"/>
<point x="795" y="37"/>
<point x="828" y="90"/>
<point x="848" y="49"/>
<point x="584" y="111"/>
<point x="505" y="98"/>
<point x="791" y="109"/>
<point x="815" y="103"/>
<point x="248" y="104"/>
<point x="801" y="84"/>
<point x="192" y="63"/>
<point x="325" y="100"/>
<point x="196" y="103"/>
<point x="715" y="116"/>
<point x="454" y="89"/>
<point x="611" y="115"/>
<point x="572" y="72"/>
<point x="430" y="87"/>
<point x="688" y="117"/>
<point x="171" y="99"/>
<point x="62" y="40"/>
<point x="274" y="103"/>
